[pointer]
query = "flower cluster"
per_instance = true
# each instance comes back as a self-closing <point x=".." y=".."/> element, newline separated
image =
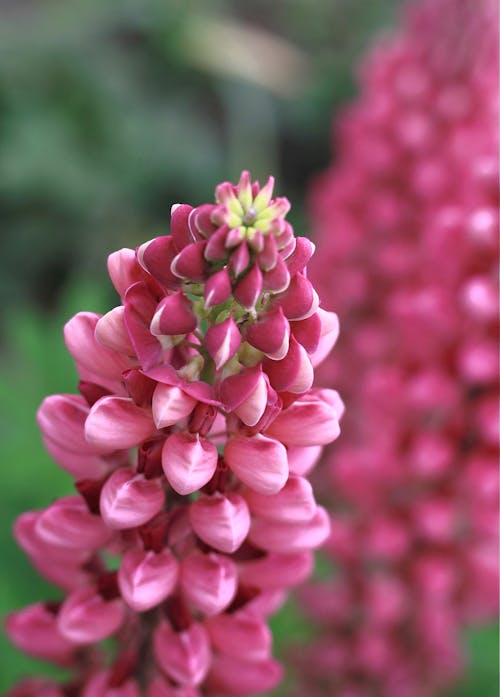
<point x="189" y="443"/>
<point x="408" y="218"/>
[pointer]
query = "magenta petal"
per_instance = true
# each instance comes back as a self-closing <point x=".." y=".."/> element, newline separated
<point x="251" y="410"/>
<point x="140" y="307"/>
<point x="146" y="578"/>
<point x="217" y="288"/>
<point x="179" y="225"/>
<point x="222" y="521"/>
<point x="239" y="259"/>
<point x="85" y="617"/>
<point x="189" y="462"/>
<point x="260" y="462"/>
<point x="216" y="245"/>
<point x="268" y="257"/>
<point x="238" y="677"/>
<point x="156" y="257"/>
<point x="235" y="389"/>
<point x="174" y="315"/>
<point x="240" y="634"/>
<point x="190" y="262"/>
<point x="34" y="630"/>
<point x="298" y="259"/>
<point x="117" y="423"/>
<point x="129" y="500"/>
<point x="200" y="221"/>
<point x="277" y="279"/>
<point x="286" y="538"/>
<point x="208" y="582"/>
<point x="247" y="291"/>
<point x="170" y="405"/>
<point x="275" y="571"/>
<point x="222" y="341"/>
<point x="184" y="656"/>
<point x="294" y="373"/>
<point x="270" y="334"/>
<point x="300" y="300"/>
<point x="294" y="503"/>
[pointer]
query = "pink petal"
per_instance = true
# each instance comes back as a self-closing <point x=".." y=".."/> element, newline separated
<point x="238" y="677"/>
<point x="277" y="279"/>
<point x="111" y="332"/>
<point x="61" y="419"/>
<point x="240" y="635"/>
<point x="294" y="503"/>
<point x="140" y="307"/>
<point x="222" y="341"/>
<point x="286" y="538"/>
<point x="156" y="257"/>
<point x="329" y="335"/>
<point x="248" y="289"/>
<point x="129" y="500"/>
<point x="189" y="462"/>
<point x="311" y="420"/>
<point x="208" y="582"/>
<point x="190" y="262"/>
<point x="146" y="578"/>
<point x="117" y="423"/>
<point x="159" y="688"/>
<point x="85" y="617"/>
<point x="79" y="334"/>
<point x="239" y="259"/>
<point x="299" y="258"/>
<point x="34" y="630"/>
<point x="217" y="288"/>
<point x="68" y="523"/>
<point x="170" y="405"/>
<point x="222" y="521"/>
<point x="270" y="334"/>
<point x="275" y="571"/>
<point x="174" y="315"/>
<point x="300" y="300"/>
<point x="184" y="656"/>
<point x="124" y="270"/>
<point x="302" y="460"/>
<point x="308" y="332"/>
<point x="294" y="373"/>
<point x="260" y="462"/>
<point x="179" y="225"/>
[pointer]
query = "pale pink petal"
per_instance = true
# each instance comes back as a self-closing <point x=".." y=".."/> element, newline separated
<point x="129" y="500"/>
<point x="147" y="578"/>
<point x="189" y="462"/>
<point x="238" y="677"/>
<point x="184" y="656"/>
<point x="117" y="423"/>
<point x="85" y="617"/>
<point x="294" y="503"/>
<point x="208" y="582"/>
<point x="221" y="520"/>
<point x="170" y="405"/>
<point x="286" y="538"/>
<point x="260" y="462"/>
<point x="240" y="635"/>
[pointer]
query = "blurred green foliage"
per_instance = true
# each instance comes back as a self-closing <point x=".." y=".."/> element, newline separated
<point x="109" y="113"/>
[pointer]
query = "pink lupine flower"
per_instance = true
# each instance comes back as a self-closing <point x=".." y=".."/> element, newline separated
<point x="408" y="218"/>
<point x="183" y="449"/>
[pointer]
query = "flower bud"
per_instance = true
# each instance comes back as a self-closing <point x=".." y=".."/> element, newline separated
<point x="313" y="419"/>
<point x="170" y="405"/>
<point x="173" y="315"/>
<point x="217" y="288"/>
<point x="270" y="334"/>
<point x="238" y="677"/>
<point x="68" y="523"/>
<point x="292" y="504"/>
<point x="241" y="635"/>
<point x="222" y="341"/>
<point x="275" y="571"/>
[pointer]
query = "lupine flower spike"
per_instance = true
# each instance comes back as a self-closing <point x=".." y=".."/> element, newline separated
<point x="189" y="443"/>
<point x="408" y="218"/>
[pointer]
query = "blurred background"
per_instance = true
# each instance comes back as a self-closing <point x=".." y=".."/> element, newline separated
<point x="109" y="113"/>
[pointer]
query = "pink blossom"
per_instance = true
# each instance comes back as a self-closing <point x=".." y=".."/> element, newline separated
<point x="177" y="467"/>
